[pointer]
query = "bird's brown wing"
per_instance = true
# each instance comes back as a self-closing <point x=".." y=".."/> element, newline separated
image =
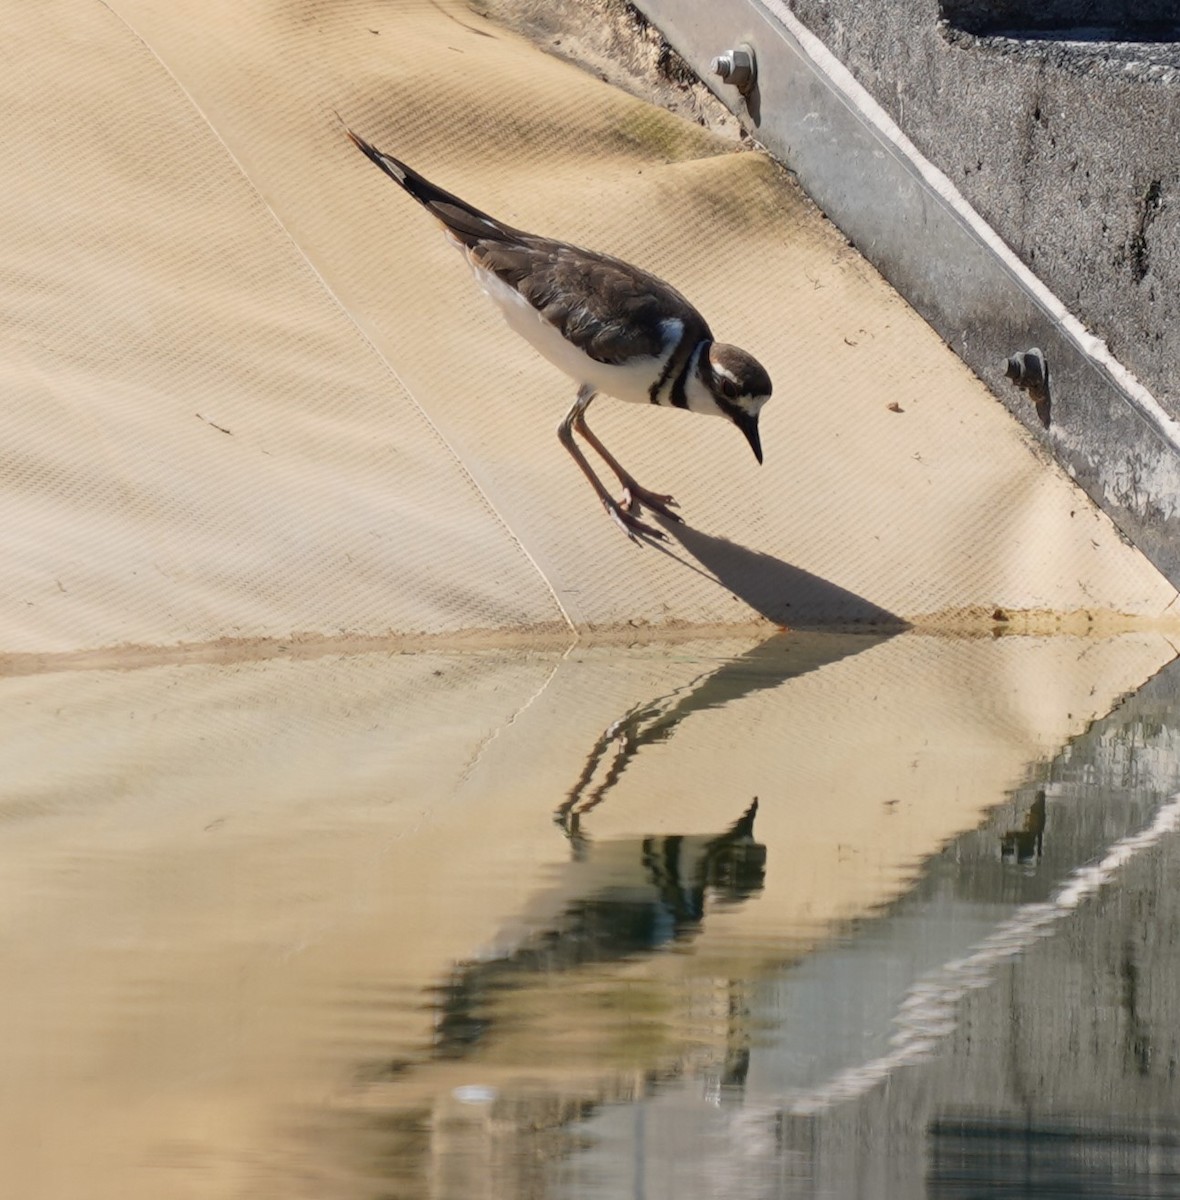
<point x="609" y="309"/>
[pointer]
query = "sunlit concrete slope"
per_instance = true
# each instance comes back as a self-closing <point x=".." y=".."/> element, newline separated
<point x="250" y="391"/>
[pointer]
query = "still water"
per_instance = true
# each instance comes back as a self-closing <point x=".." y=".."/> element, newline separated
<point x="823" y="915"/>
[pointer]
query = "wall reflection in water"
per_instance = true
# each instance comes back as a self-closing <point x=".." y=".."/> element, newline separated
<point x="1004" y="1022"/>
<point x="1007" y="1027"/>
<point x="512" y="923"/>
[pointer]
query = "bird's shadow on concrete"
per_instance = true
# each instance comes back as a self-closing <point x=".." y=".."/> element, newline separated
<point x="781" y="592"/>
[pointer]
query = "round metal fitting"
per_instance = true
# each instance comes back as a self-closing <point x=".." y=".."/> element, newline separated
<point x="1029" y="370"/>
<point x="737" y="67"/>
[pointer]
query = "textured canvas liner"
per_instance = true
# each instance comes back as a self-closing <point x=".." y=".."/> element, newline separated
<point x="251" y="393"/>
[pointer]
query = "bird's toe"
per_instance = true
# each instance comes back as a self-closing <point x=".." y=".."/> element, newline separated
<point x="635" y="496"/>
<point x="631" y="525"/>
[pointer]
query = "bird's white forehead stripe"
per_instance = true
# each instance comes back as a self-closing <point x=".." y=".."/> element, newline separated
<point x="719" y="370"/>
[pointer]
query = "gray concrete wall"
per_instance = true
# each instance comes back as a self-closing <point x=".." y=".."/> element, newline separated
<point x="1070" y="150"/>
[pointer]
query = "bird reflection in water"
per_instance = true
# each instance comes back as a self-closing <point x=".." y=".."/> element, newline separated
<point x="631" y="897"/>
<point x="620" y="899"/>
<point x="643" y="725"/>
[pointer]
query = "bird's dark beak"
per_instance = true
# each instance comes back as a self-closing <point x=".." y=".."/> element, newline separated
<point x="749" y="426"/>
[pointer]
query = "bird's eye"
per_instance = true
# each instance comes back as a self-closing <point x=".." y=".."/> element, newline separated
<point x="727" y="385"/>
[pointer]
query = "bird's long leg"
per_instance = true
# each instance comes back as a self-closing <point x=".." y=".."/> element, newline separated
<point x="628" y="523"/>
<point x="632" y="492"/>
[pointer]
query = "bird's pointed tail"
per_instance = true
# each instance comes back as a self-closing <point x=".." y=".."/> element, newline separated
<point x="464" y="220"/>
<point x="397" y="171"/>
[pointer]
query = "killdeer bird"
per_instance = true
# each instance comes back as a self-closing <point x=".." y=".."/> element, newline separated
<point x="612" y="327"/>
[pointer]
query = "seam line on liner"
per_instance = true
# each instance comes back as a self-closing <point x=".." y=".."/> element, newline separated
<point x="855" y="97"/>
<point x="483" y="746"/>
<point x="356" y="325"/>
<point x="928" y="1012"/>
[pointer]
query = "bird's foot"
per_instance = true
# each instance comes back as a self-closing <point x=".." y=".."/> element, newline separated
<point x="635" y="496"/>
<point x="631" y="524"/>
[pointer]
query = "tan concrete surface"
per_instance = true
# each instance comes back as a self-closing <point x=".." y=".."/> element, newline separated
<point x="251" y="392"/>
<point x="230" y="892"/>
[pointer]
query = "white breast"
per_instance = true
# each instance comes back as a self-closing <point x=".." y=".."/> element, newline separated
<point x="630" y="381"/>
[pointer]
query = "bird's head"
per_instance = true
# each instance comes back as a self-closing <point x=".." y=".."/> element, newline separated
<point x="738" y="386"/>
